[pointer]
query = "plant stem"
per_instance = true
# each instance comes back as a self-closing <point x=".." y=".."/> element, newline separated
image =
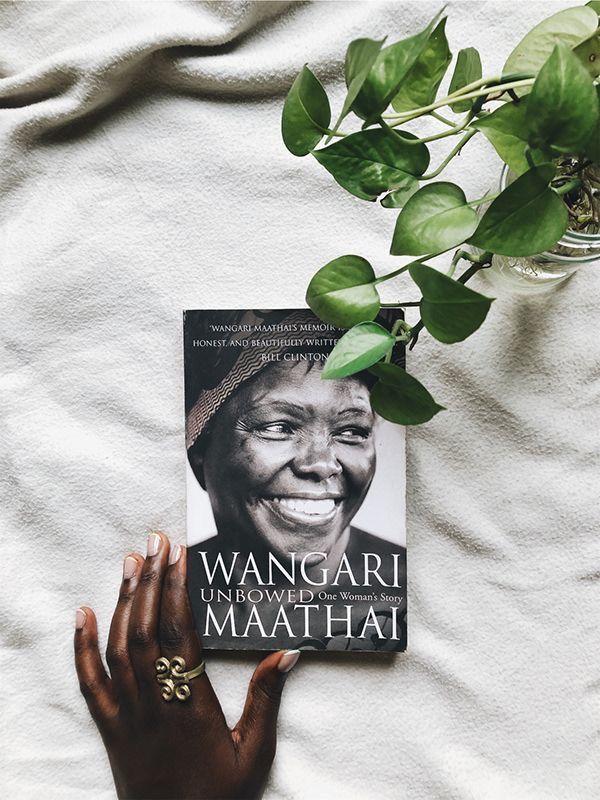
<point x="449" y="157"/>
<point x="455" y="130"/>
<point x="400" y="323"/>
<point x="442" y="118"/>
<point x="331" y="133"/>
<point x="485" y="199"/>
<point x="567" y="187"/>
<point x="419" y="112"/>
<point x="406" y="267"/>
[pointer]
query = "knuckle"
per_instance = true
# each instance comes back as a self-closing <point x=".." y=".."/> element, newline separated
<point x="117" y="658"/>
<point x="170" y="634"/>
<point x="174" y="582"/>
<point x="81" y="645"/>
<point x="140" y="637"/>
<point x="266" y="693"/>
<point x="89" y="688"/>
<point x="149" y="578"/>
<point x="126" y="595"/>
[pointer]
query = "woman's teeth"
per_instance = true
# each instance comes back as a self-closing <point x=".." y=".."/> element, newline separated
<point x="302" y="505"/>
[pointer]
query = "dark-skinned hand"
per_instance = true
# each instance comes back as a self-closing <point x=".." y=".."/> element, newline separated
<point x="174" y="750"/>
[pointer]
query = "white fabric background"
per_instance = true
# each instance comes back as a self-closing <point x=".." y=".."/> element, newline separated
<point x="142" y="172"/>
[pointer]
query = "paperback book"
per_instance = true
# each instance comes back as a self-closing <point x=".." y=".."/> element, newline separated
<point x="295" y="487"/>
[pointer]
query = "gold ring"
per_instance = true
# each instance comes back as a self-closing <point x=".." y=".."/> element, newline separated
<point x="173" y="678"/>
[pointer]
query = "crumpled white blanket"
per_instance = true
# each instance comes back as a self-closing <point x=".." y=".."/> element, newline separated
<point x="142" y="172"/>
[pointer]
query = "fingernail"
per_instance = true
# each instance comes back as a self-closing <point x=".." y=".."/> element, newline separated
<point x="80" y="617"/>
<point x="174" y="554"/>
<point x="153" y="544"/>
<point x="129" y="567"/>
<point x="288" y="660"/>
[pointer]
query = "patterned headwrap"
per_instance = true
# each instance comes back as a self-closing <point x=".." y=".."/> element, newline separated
<point x="222" y="349"/>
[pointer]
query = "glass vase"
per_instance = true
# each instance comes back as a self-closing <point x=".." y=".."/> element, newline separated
<point x="547" y="270"/>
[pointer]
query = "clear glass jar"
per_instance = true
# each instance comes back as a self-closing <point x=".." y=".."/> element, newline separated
<point x="547" y="270"/>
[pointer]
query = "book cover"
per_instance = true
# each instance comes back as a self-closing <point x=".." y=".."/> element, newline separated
<point x="296" y="489"/>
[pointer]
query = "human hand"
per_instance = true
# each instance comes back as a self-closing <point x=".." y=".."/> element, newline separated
<point x="174" y="750"/>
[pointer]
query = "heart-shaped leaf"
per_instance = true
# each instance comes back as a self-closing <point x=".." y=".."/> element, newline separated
<point x="570" y="26"/>
<point x="398" y="198"/>
<point x="592" y="147"/>
<point x="391" y="67"/>
<point x="506" y="129"/>
<point x="434" y="219"/>
<point x="306" y="114"/>
<point x="449" y="310"/>
<point x="400" y="398"/>
<point x="527" y="218"/>
<point x="420" y="86"/>
<point x="467" y="70"/>
<point x="364" y="345"/>
<point x="343" y="292"/>
<point x="562" y="109"/>
<point x="371" y="162"/>
<point x="360" y="57"/>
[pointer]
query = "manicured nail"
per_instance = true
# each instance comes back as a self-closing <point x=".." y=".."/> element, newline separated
<point x="174" y="554"/>
<point x="153" y="544"/>
<point x="288" y="660"/>
<point x="80" y="618"/>
<point x="129" y="567"/>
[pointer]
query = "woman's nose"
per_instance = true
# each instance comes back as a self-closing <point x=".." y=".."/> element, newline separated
<point x="316" y="459"/>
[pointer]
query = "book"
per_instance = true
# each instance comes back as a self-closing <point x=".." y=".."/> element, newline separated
<point x="295" y="489"/>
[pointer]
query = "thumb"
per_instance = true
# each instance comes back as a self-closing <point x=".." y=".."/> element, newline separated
<point x="256" y="731"/>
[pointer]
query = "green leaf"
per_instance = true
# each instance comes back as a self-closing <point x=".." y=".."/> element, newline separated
<point x="570" y="26"/>
<point x="434" y="219"/>
<point x="588" y="52"/>
<point x="370" y="162"/>
<point x="391" y="67"/>
<point x="398" y="197"/>
<point x="343" y="292"/>
<point x="400" y="398"/>
<point x="506" y="129"/>
<point x="364" y="345"/>
<point x="360" y="57"/>
<point x="305" y="113"/>
<point x="592" y="147"/>
<point x="527" y="218"/>
<point x="449" y="310"/>
<point x="594" y="5"/>
<point x="420" y="86"/>
<point x="467" y="70"/>
<point x="562" y="109"/>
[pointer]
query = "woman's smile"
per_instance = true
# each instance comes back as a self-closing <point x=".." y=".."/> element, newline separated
<point x="307" y="510"/>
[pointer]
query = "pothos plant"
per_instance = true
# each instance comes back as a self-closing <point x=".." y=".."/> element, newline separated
<point x="542" y="116"/>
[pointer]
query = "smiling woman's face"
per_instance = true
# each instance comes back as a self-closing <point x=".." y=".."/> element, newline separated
<point x="290" y="459"/>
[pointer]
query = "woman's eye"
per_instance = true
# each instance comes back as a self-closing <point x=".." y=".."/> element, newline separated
<point x="353" y="435"/>
<point x="275" y="430"/>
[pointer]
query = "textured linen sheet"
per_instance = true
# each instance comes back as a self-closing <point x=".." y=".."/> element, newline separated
<point x="142" y="172"/>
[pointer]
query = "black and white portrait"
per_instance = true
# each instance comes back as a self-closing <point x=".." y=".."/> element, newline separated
<point x="296" y="505"/>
